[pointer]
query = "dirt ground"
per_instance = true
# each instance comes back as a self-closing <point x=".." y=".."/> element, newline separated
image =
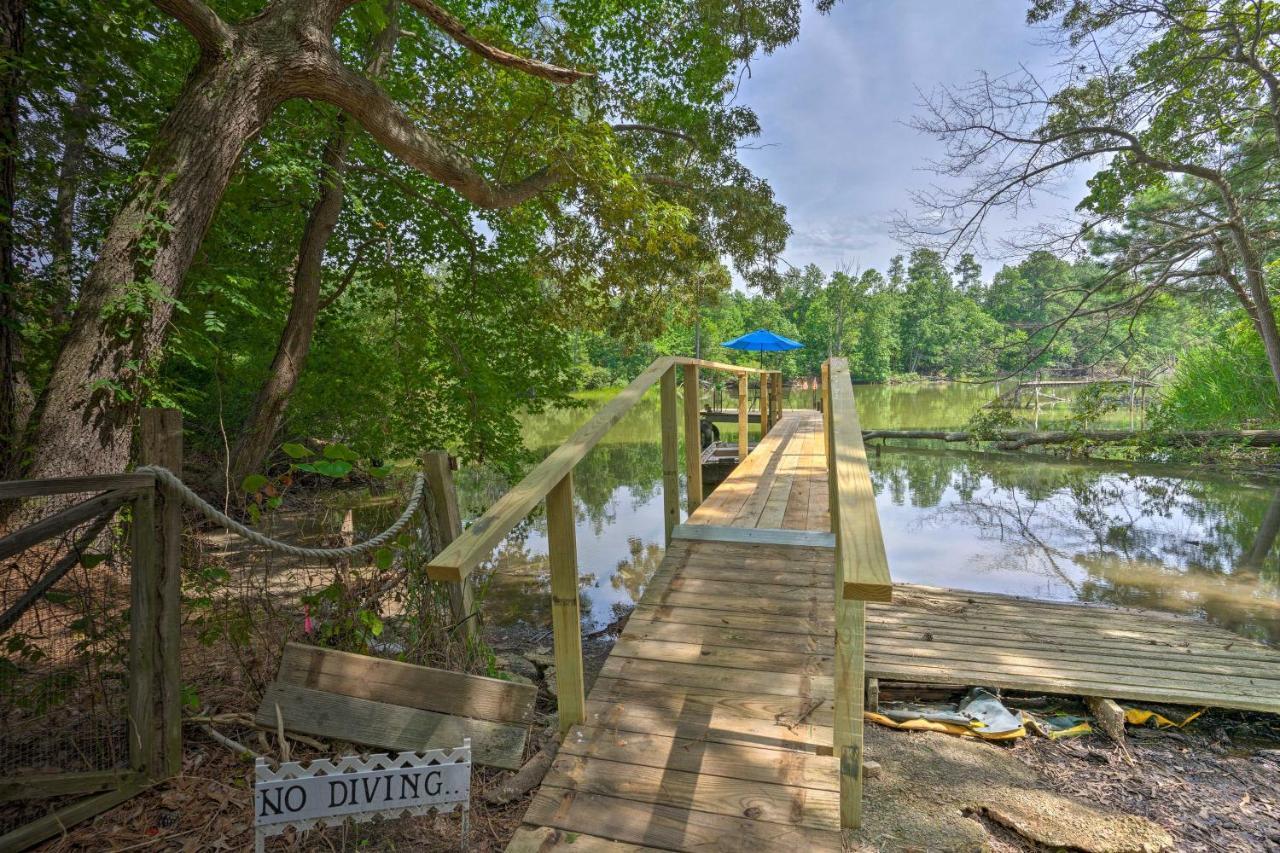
<point x="1210" y="787"/>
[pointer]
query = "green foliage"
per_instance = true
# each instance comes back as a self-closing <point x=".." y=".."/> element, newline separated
<point x="1224" y="383"/>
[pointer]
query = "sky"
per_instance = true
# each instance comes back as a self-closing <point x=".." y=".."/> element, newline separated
<point x="834" y="107"/>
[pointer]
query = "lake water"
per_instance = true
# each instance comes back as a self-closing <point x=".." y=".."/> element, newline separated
<point x="1158" y="537"/>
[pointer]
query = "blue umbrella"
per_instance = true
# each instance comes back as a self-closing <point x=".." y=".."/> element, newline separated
<point x="763" y="341"/>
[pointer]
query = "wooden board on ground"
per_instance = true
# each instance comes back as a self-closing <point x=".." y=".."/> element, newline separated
<point x="391" y="727"/>
<point x="396" y="683"/>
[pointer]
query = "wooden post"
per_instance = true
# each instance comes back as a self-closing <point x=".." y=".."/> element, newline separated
<point x="446" y="521"/>
<point x="670" y="455"/>
<point x="692" y="439"/>
<point x="144" y="594"/>
<point x="777" y="397"/>
<point x="566" y="621"/>
<point x="764" y="404"/>
<point x="744" y="420"/>
<point x="849" y="664"/>
<point x="161" y="444"/>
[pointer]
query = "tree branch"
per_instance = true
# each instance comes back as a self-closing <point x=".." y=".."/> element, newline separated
<point x="420" y="149"/>
<point x="213" y="34"/>
<point x="457" y="31"/>
<point x="653" y="128"/>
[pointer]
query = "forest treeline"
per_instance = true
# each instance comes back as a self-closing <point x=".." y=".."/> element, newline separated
<point x="923" y="318"/>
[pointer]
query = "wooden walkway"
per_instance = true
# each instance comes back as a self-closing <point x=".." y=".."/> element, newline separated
<point x="710" y="725"/>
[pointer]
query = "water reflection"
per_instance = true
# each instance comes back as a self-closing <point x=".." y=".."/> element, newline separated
<point x="1088" y="532"/>
<point x="1156" y="537"/>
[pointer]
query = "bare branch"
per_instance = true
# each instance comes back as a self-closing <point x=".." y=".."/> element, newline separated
<point x="457" y="31"/>
<point x="653" y="128"/>
<point x="213" y="34"/>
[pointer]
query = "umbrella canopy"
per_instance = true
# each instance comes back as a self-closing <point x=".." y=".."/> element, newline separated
<point x="762" y="340"/>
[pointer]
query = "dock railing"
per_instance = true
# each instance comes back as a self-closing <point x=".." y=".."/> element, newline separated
<point x="552" y="480"/>
<point x="861" y="575"/>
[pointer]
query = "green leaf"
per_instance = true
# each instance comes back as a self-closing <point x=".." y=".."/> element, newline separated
<point x="326" y="468"/>
<point x="253" y="482"/>
<point x="340" y="451"/>
<point x="383" y="558"/>
<point x="91" y="560"/>
<point x="379" y="471"/>
<point x="295" y="451"/>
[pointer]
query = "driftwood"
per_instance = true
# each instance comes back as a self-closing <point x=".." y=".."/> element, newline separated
<point x="526" y="778"/>
<point x="1016" y="439"/>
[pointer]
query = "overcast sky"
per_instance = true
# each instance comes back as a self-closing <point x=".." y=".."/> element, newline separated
<point x="833" y="109"/>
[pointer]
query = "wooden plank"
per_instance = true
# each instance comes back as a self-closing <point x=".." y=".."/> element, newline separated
<point x="860" y="549"/>
<point x="478" y="541"/>
<point x="744" y="417"/>
<point x="670" y="827"/>
<point x="395" y="727"/>
<point x="707" y="713"/>
<point x="57" y="822"/>
<point x="692" y="440"/>
<point x="781" y="624"/>
<point x="677" y="674"/>
<point x="133" y="483"/>
<point x="720" y="365"/>
<point x="35" y="786"/>
<point x="544" y="839"/>
<point x="64" y="520"/>
<point x="642" y="626"/>
<point x="757" y="660"/>
<point x="751" y="535"/>
<point x="160" y="433"/>
<point x="792" y="768"/>
<point x="722" y="795"/>
<point x="411" y="686"/>
<point x="670" y="455"/>
<point x="566" y="619"/>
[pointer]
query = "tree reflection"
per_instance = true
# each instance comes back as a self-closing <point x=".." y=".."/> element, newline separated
<point x="1122" y="536"/>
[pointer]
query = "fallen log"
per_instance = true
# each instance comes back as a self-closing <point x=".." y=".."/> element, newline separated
<point x="1018" y="439"/>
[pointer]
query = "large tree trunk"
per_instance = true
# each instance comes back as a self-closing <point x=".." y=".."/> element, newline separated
<point x="93" y="393"/>
<point x="14" y="394"/>
<point x="259" y="429"/>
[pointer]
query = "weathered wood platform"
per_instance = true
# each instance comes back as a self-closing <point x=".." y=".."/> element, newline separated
<point x="710" y="725"/>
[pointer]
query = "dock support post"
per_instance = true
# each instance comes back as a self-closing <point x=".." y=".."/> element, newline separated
<point x="744" y="420"/>
<point x="566" y="621"/>
<point x="764" y="404"/>
<point x="446" y="522"/>
<point x="692" y="438"/>
<point x="670" y="455"/>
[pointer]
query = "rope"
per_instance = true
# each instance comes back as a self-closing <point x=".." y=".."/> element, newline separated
<point x="169" y="479"/>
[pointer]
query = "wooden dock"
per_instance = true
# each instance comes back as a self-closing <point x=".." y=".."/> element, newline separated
<point x="710" y="726"/>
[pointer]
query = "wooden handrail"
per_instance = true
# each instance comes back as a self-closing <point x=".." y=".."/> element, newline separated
<point x="863" y="567"/>
<point x="475" y="544"/>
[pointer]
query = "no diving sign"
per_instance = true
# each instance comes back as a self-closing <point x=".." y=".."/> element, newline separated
<point x="324" y="792"/>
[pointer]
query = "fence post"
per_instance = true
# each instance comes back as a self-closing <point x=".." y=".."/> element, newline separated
<point x="670" y="455"/>
<point x="566" y="621"/>
<point x="161" y="434"/>
<point x="144" y="589"/>
<point x="744" y="420"/>
<point x="446" y="521"/>
<point x="692" y="438"/>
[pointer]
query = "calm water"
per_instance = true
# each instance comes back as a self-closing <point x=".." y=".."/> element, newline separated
<point x="1147" y="536"/>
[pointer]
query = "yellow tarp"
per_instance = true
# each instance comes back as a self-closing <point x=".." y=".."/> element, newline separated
<point x="974" y="730"/>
